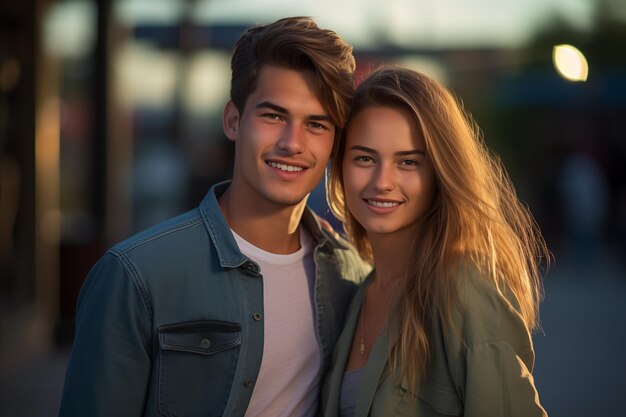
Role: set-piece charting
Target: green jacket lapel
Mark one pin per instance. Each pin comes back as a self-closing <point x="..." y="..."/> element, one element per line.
<point x="342" y="352"/>
<point x="371" y="376"/>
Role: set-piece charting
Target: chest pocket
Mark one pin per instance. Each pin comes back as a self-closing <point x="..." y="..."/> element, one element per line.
<point x="431" y="401"/>
<point x="440" y="400"/>
<point x="197" y="362"/>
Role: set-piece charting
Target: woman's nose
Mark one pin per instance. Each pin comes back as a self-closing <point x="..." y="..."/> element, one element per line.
<point x="384" y="178"/>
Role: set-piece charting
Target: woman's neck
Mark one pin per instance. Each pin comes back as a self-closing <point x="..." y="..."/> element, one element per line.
<point x="390" y="258"/>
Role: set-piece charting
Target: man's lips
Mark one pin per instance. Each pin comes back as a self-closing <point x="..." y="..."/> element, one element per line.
<point x="286" y="167"/>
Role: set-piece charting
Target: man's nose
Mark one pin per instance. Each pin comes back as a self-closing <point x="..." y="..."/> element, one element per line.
<point x="292" y="139"/>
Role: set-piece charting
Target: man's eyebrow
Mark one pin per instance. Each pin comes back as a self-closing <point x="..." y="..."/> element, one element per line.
<point x="400" y="153"/>
<point x="280" y="109"/>
<point x="270" y="105"/>
<point x="320" y="118"/>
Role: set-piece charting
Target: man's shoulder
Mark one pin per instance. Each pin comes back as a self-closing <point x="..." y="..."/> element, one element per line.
<point x="180" y="231"/>
<point x="336" y="248"/>
<point x="177" y="250"/>
<point x="173" y="232"/>
<point x="353" y="267"/>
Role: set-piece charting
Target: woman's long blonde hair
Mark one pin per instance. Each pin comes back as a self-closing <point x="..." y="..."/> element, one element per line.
<point x="475" y="215"/>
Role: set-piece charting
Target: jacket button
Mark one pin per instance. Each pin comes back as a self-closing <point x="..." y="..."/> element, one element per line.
<point x="247" y="383"/>
<point x="205" y="343"/>
<point x="256" y="316"/>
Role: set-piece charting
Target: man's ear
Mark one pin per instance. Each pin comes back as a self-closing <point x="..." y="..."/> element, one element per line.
<point x="230" y="121"/>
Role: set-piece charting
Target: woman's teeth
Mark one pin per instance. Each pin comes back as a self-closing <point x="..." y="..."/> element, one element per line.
<point x="384" y="204"/>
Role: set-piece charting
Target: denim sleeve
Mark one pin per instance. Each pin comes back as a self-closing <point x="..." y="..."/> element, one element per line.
<point x="109" y="367"/>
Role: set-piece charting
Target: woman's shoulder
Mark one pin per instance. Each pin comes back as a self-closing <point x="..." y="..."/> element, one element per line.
<point x="484" y="309"/>
<point x="474" y="288"/>
<point x="485" y="323"/>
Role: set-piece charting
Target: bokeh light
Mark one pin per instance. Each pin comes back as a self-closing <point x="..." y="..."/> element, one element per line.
<point x="570" y="63"/>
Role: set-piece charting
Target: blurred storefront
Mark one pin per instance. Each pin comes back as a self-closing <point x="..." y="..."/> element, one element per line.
<point x="110" y="121"/>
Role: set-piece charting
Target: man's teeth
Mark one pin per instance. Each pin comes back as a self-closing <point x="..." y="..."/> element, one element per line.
<point x="382" y="203"/>
<point x="284" y="167"/>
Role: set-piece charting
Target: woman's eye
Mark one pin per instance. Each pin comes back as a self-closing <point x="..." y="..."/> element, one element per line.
<point x="364" y="159"/>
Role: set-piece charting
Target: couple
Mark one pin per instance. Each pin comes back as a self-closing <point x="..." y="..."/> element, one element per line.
<point x="237" y="308"/>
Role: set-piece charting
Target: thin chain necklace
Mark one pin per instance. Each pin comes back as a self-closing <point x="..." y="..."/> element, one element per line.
<point x="362" y="320"/>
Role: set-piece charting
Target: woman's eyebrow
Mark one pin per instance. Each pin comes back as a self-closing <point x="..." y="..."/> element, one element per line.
<point x="399" y="153"/>
<point x="411" y="152"/>
<point x="362" y="148"/>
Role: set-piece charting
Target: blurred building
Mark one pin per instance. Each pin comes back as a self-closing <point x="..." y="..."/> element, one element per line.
<point x="110" y="124"/>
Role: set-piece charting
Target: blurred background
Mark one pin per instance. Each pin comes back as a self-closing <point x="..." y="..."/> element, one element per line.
<point x="110" y="121"/>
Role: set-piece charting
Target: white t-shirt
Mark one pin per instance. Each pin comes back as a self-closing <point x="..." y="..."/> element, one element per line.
<point x="288" y="382"/>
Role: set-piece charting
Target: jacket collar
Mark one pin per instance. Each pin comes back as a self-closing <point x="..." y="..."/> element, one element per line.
<point x="225" y="245"/>
<point x="311" y="222"/>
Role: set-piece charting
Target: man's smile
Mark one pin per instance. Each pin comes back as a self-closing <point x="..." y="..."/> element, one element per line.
<point x="284" y="167"/>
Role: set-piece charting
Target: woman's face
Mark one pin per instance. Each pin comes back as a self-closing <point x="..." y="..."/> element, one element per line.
<point x="389" y="181"/>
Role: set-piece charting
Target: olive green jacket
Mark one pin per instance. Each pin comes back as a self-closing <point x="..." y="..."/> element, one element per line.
<point x="480" y="365"/>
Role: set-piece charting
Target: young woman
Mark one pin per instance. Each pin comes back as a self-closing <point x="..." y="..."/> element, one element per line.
<point x="442" y="325"/>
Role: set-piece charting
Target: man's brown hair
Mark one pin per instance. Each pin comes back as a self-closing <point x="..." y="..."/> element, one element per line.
<point x="296" y="43"/>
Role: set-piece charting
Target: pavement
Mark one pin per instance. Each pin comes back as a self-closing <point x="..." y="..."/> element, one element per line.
<point x="580" y="364"/>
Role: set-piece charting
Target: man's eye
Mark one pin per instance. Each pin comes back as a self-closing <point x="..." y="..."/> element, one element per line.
<point x="316" y="125"/>
<point x="272" y="116"/>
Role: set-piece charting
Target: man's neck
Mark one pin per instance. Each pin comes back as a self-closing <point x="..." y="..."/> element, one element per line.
<point x="269" y="227"/>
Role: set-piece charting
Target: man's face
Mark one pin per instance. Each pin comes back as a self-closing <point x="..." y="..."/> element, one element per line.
<point x="283" y="138"/>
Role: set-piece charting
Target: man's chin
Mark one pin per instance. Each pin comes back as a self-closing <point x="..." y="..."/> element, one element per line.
<point x="289" y="201"/>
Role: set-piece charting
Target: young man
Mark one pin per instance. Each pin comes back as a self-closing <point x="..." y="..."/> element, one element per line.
<point x="233" y="308"/>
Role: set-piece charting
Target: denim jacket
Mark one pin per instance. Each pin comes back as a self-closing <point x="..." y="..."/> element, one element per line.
<point x="170" y="321"/>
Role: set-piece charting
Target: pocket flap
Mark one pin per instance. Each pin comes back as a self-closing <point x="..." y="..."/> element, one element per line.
<point x="205" y="337"/>
<point x="440" y="399"/>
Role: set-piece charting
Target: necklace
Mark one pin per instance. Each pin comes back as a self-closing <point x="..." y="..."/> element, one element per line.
<point x="383" y="303"/>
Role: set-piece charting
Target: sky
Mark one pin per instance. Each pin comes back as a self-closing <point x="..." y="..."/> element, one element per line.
<point x="436" y="23"/>
<point x="150" y="75"/>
